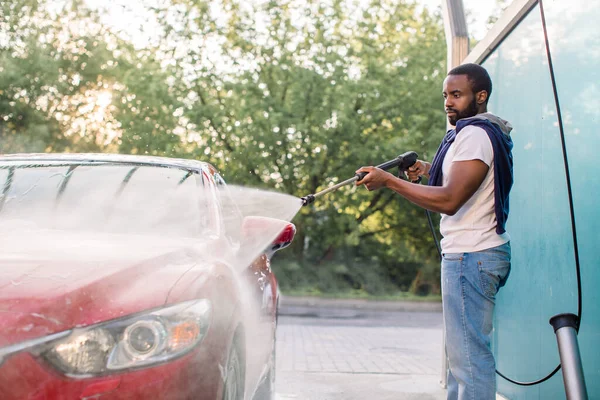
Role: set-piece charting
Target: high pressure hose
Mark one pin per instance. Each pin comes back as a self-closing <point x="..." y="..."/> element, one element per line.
<point x="433" y="234"/>
<point x="571" y="208"/>
<point x="570" y="195"/>
<point x="404" y="161"/>
<point x="532" y="383"/>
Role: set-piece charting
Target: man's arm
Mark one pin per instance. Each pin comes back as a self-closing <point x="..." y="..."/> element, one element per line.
<point x="464" y="179"/>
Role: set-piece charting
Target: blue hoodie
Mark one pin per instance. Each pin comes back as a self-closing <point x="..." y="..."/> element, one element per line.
<point x="498" y="131"/>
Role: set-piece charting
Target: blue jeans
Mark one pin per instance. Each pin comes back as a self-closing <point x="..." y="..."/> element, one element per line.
<point x="470" y="282"/>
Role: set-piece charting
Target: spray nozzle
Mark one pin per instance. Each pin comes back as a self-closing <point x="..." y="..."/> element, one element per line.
<point x="306" y="200"/>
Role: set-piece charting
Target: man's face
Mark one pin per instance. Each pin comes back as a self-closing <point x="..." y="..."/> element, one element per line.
<point x="459" y="99"/>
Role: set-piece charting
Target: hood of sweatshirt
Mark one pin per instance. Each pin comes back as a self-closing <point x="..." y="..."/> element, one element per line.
<point x="503" y="124"/>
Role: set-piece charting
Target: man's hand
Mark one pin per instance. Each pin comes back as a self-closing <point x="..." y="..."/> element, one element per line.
<point x="376" y="178"/>
<point x="420" y="168"/>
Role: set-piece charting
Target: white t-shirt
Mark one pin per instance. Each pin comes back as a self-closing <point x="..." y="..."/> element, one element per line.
<point x="473" y="227"/>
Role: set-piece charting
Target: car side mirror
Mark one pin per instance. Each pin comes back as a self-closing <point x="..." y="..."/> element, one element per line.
<point x="257" y="228"/>
<point x="285" y="237"/>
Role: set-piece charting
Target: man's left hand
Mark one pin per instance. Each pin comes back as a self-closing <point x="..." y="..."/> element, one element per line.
<point x="376" y="178"/>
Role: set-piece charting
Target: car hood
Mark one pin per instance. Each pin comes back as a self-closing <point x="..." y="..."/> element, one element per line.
<point x="52" y="281"/>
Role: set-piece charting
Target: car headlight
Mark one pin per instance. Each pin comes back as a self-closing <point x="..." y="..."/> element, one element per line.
<point x="136" y="341"/>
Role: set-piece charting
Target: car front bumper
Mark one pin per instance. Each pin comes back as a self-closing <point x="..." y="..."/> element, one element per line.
<point x="197" y="375"/>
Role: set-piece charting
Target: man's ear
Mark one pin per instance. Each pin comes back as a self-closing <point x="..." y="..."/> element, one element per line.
<point x="481" y="96"/>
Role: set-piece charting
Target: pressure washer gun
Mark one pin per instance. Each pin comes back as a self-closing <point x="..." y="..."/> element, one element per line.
<point x="403" y="162"/>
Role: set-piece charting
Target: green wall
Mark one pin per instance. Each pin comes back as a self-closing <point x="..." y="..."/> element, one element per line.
<point x="543" y="277"/>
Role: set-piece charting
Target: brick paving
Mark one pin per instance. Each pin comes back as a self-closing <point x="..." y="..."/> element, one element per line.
<point x="359" y="349"/>
<point x="357" y="355"/>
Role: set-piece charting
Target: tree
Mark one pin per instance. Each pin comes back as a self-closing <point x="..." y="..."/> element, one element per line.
<point x="289" y="95"/>
<point x="67" y="83"/>
<point x="308" y="95"/>
<point x="501" y="6"/>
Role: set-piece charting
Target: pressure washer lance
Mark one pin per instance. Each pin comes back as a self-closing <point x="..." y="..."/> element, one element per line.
<point x="403" y="162"/>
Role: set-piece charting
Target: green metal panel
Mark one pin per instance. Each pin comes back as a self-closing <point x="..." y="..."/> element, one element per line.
<point x="543" y="277"/>
<point x="574" y="37"/>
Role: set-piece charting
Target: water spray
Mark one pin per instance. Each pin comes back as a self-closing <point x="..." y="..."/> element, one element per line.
<point x="403" y="162"/>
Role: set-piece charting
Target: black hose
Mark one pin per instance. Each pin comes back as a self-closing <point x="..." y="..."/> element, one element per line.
<point x="435" y="239"/>
<point x="439" y="251"/>
<point x="570" y="195"/>
<point x="571" y="206"/>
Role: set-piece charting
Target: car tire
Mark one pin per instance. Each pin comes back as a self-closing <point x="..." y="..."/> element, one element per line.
<point x="233" y="387"/>
<point x="266" y="389"/>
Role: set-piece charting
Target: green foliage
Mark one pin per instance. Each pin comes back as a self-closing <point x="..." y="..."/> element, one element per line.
<point x="357" y="278"/>
<point x="287" y="95"/>
<point x="501" y="6"/>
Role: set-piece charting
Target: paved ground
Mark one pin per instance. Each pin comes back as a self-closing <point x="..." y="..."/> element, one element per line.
<point x="351" y="351"/>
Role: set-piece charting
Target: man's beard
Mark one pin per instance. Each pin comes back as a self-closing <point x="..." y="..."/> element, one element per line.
<point x="470" y="111"/>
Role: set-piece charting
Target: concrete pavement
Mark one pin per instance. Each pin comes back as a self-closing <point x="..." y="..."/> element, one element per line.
<point x="353" y="349"/>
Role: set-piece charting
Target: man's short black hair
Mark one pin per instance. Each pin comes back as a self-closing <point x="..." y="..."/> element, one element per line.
<point x="477" y="75"/>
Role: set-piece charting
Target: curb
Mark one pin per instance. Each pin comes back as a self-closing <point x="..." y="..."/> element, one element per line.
<point x="360" y="304"/>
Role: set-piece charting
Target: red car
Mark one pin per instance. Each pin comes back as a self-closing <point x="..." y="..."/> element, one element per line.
<point x="130" y="277"/>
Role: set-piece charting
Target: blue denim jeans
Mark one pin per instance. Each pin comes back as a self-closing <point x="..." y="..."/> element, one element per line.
<point x="470" y="282"/>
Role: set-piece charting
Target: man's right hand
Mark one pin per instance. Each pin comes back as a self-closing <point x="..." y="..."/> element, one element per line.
<point x="420" y="168"/>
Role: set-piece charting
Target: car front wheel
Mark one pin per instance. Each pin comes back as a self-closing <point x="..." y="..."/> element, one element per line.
<point x="234" y="380"/>
<point x="266" y="390"/>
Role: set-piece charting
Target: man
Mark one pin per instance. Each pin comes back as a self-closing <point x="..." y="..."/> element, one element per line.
<point x="469" y="182"/>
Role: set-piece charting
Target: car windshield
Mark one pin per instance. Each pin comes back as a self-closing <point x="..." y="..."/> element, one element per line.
<point x="105" y="197"/>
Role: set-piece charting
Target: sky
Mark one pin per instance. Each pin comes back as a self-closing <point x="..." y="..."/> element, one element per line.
<point x="477" y="11"/>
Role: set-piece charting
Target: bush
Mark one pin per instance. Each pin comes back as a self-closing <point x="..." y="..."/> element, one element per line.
<point x="356" y="277"/>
